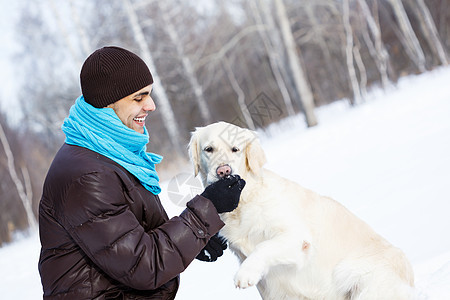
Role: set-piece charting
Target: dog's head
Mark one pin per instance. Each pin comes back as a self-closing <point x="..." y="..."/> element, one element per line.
<point x="223" y="149"/>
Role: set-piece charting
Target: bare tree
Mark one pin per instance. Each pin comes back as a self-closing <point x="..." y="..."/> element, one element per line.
<point x="270" y="38"/>
<point x="318" y="32"/>
<point x="318" y="24"/>
<point x="239" y="92"/>
<point x="349" y="53"/>
<point x="412" y="45"/>
<point x="167" y="111"/>
<point x="361" y="68"/>
<point x="379" y="52"/>
<point x="47" y="69"/>
<point x="24" y="192"/>
<point x="185" y="60"/>
<point x="300" y="79"/>
<point x="430" y="32"/>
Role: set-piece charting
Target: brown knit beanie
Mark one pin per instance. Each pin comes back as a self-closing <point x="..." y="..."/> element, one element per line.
<point x="112" y="73"/>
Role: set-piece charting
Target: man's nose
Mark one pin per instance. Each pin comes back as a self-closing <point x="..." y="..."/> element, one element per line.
<point x="149" y="104"/>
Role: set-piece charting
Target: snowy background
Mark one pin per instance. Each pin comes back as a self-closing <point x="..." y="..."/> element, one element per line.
<point x="387" y="160"/>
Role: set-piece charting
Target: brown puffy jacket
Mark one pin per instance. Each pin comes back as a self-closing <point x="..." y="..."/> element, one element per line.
<point x="104" y="236"/>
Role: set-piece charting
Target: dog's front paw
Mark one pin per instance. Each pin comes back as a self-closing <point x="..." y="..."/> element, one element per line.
<point x="248" y="275"/>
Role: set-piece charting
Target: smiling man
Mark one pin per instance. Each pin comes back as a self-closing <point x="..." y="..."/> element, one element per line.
<point x="104" y="233"/>
<point x="133" y="109"/>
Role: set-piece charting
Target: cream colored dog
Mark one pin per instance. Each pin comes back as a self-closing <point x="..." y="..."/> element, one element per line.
<point x="293" y="243"/>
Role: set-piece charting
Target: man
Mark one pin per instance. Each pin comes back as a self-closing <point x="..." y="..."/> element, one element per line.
<point x="103" y="230"/>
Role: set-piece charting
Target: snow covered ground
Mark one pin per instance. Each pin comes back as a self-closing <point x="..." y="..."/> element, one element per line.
<point x="387" y="160"/>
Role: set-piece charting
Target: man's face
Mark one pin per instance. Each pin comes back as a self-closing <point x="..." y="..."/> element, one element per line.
<point x="133" y="109"/>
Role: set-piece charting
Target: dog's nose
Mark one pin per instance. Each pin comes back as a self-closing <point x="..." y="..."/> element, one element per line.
<point x="223" y="171"/>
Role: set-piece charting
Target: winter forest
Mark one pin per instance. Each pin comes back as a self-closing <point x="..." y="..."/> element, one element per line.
<point x="247" y="62"/>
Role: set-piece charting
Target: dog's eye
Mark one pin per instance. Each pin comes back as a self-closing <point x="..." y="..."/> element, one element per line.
<point x="235" y="149"/>
<point x="208" y="149"/>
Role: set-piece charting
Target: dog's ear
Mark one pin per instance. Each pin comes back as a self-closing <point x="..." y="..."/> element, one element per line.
<point x="255" y="157"/>
<point x="193" y="149"/>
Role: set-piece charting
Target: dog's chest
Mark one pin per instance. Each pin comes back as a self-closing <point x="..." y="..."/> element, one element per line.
<point x="246" y="230"/>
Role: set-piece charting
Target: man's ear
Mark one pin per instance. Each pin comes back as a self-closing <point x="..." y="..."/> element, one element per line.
<point x="194" y="154"/>
<point x="255" y="157"/>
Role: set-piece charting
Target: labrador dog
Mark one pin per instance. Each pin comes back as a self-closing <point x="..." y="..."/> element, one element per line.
<point x="292" y="242"/>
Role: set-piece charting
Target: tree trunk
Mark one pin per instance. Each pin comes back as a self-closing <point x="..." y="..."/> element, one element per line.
<point x="316" y="26"/>
<point x="166" y="108"/>
<point x="412" y="44"/>
<point x="27" y="181"/>
<point x="380" y="54"/>
<point x="300" y="79"/>
<point x="239" y="92"/>
<point x="24" y="197"/>
<point x="362" y="70"/>
<point x="186" y="62"/>
<point x="349" y="53"/>
<point x="430" y="31"/>
<point x="274" y="59"/>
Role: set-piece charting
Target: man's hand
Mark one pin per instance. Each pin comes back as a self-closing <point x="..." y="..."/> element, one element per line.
<point x="214" y="249"/>
<point x="225" y="193"/>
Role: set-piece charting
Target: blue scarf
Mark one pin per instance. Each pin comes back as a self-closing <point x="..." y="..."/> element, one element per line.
<point x="100" y="130"/>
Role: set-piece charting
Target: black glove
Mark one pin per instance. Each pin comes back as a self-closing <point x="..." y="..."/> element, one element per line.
<point x="225" y="193"/>
<point x="214" y="249"/>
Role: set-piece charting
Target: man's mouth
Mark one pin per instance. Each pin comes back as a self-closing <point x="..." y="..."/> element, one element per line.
<point x="140" y="120"/>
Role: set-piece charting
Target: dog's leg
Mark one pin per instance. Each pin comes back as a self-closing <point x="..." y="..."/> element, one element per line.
<point x="281" y="250"/>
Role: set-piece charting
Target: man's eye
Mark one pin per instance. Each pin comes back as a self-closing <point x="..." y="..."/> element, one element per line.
<point x="208" y="149"/>
<point x="138" y="99"/>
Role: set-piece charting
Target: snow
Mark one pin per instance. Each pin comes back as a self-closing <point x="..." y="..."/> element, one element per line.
<point x="387" y="160"/>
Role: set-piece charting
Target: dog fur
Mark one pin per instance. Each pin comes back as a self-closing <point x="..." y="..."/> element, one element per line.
<point x="292" y="242"/>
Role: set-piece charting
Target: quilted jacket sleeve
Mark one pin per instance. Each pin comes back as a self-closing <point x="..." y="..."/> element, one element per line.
<point x="96" y="215"/>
